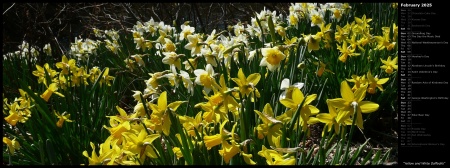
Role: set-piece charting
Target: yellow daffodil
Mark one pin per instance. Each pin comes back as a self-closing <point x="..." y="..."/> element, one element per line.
<point x="189" y="62"/>
<point x="313" y="42"/>
<point x="106" y="78"/>
<point x="346" y="51"/>
<point x="40" y="72"/>
<point x="153" y="83"/>
<point x="50" y="90"/>
<point x="374" y="82"/>
<point x="395" y="30"/>
<point x="177" y="152"/>
<point x="160" y="116"/>
<point x="275" y="158"/>
<point x="66" y="65"/>
<point x="358" y="80"/>
<point x="107" y="154"/>
<point x="62" y="117"/>
<point x="80" y="77"/>
<point x="342" y="33"/>
<point x="247" y="85"/>
<point x="13" y="145"/>
<point x="229" y="149"/>
<point x="270" y="126"/>
<point x="192" y="123"/>
<point x="321" y="68"/>
<point x="272" y="58"/>
<point x="293" y="104"/>
<point x="330" y="120"/>
<point x="220" y="103"/>
<point x="363" y="22"/>
<point x="227" y="96"/>
<point x="119" y="124"/>
<point x="214" y="140"/>
<point x="141" y="143"/>
<point x="18" y="113"/>
<point x="384" y="41"/>
<point x="389" y="65"/>
<point x="138" y="58"/>
<point x="247" y="158"/>
<point x="352" y="101"/>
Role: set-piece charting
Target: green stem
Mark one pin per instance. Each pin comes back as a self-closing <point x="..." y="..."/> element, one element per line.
<point x="351" y="132"/>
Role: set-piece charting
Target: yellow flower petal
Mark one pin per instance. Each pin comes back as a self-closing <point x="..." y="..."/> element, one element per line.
<point x="368" y="107"/>
<point x="337" y="102"/>
<point x="346" y="92"/>
<point x="162" y="101"/>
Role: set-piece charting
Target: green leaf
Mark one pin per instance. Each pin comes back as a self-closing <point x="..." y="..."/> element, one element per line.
<point x="272" y="29"/>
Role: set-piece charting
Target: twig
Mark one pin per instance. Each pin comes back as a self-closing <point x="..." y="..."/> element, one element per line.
<point x="8" y="8"/>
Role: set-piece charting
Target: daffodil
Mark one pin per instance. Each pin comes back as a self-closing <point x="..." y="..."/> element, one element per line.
<point x="120" y="123"/>
<point x="358" y="80"/>
<point x="205" y="77"/>
<point x="194" y="44"/>
<point x="18" y="112"/>
<point x="330" y="120"/>
<point x="337" y="14"/>
<point x="81" y="77"/>
<point x="41" y="73"/>
<point x="247" y="158"/>
<point x="288" y="88"/>
<point x="140" y="144"/>
<point x="384" y="41"/>
<point x="389" y="65"/>
<point x="346" y="51"/>
<point x="177" y="152"/>
<point x="272" y="58"/>
<point x="138" y="58"/>
<point x="395" y="30"/>
<point x="306" y="110"/>
<point x="187" y="82"/>
<point x="220" y="103"/>
<point x="247" y="84"/>
<point x="321" y="68"/>
<point x="50" y="90"/>
<point x="152" y="83"/>
<point x="107" y="154"/>
<point x="229" y="149"/>
<point x="374" y="82"/>
<point x="66" y="65"/>
<point x="342" y="33"/>
<point x="192" y="123"/>
<point x="106" y="78"/>
<point x="363" y="22"/>
<point x="275" y="158"/>
<point x="313" y="42"/>
<point x="13" y="145"/>
<point x="352" y="101"/>
<point x="185" y="31"/>
<point x="316" y="18"/>
<point x="191" y="64"/>
<point x="62" y="117"/>
<point x="47" y="49"/>
<point x="216" y="139"/>
<point x="169" y="46"/>
<point x="160" y="116"/>
<point x="270" y="126"/>
<point x="228" y="96"/>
